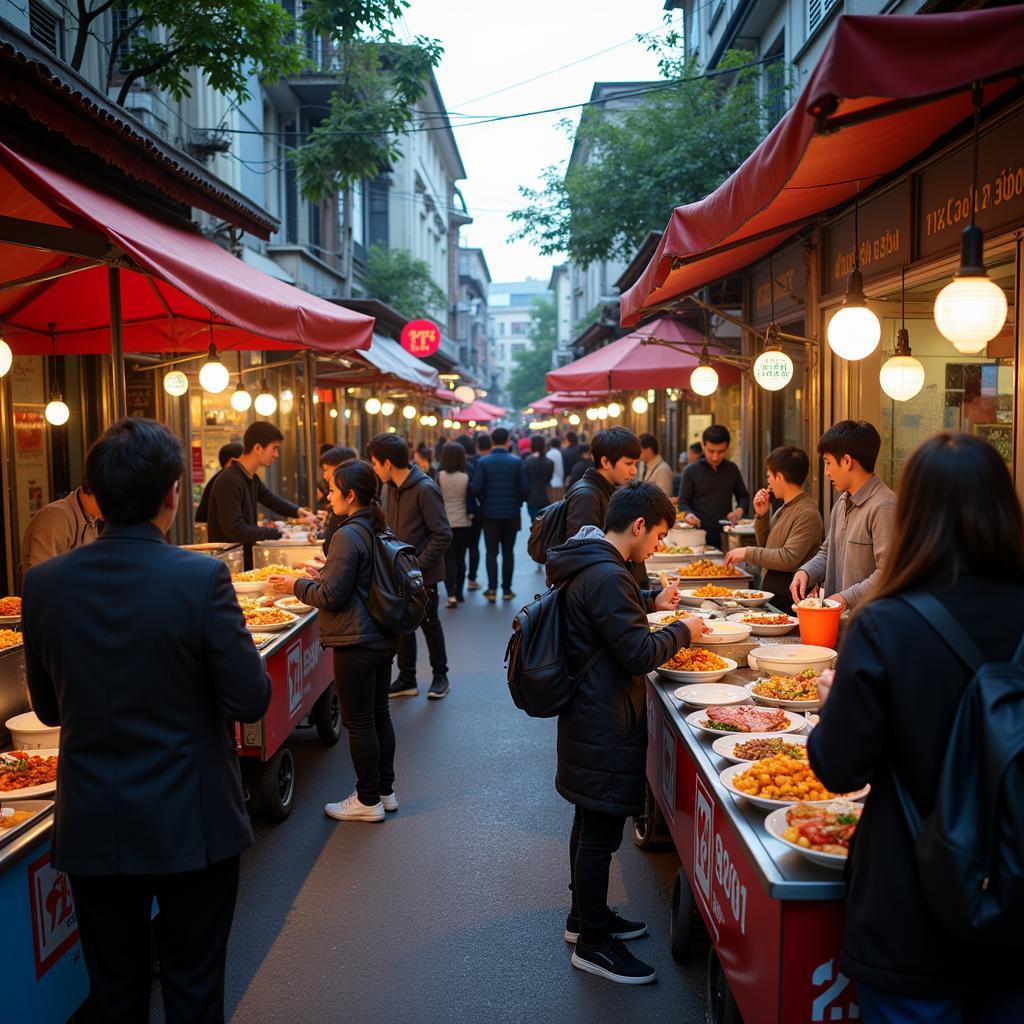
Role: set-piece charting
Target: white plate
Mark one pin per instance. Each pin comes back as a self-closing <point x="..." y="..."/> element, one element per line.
<point x="775" y="824"/>
<point x="704" y="695"/>
<point x="728" y="774"/>
<point x="689" y="597"/>
<point x="797" y="723"/>
<point x="765" y="630"/>
<point x="775" y="702"/>
<point x="248" y="586"/>
<point x="293" y="605"/>
<point x="724" y="745"/>
<point x="722" y="632"/>
<point x="667" y="558"/>
<point x="33" y="791"/>
<point x="677" y="676"/>
<point x="274" y="627"/>
<point x="9" y="620"/>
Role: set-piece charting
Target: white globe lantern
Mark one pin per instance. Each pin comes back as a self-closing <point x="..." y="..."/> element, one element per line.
<point x="970" y="312"/>
<point x="465" y="394"/>
<point x="591" y="414"/>
<point x="640" y="405"/>
<point x="704" y="380"/>
<point x="574" y="420"/>
<point x="614" y="410"/>
<point x="372" y="406"/>
<point x="773" y="369"/>
<point x="854" y="331"/>
<point x="447" y="424"/>
<point x="387" y="408"/>
<point x="175" y="383"/>
<point x="213" y="375"/>
<point x="602" y="412"/>
<point x="241" y="400"/>
<point x="901" y="376"/>
<point x="334" y="413"/>
<point x="266" y="403"/>
<point x="57" y="412"/>
<point x="409" y="412"/>
<point x="6" y="357"/>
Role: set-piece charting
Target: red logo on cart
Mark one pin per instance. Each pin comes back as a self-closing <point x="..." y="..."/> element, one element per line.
<point x="421" y="338"/>
<point x="703" y="842"/>
<point x="54" y="922"/>
<point x="294" y="677"/>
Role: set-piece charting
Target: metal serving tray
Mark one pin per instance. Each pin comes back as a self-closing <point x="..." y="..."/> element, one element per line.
<point x="39" y="809"/>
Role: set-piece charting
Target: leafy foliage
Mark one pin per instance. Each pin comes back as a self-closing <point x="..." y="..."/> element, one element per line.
<point x="526" y="381"/>
<point x="398" y="278"/>
<point x="677" y="145"/>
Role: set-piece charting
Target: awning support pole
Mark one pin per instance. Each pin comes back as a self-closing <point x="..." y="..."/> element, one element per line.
<point x="116" y="342"/>
<point x="312" y="463"/>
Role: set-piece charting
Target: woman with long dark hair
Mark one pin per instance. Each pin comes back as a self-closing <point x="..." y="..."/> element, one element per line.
<point x="889" y="714"/>
<point x="453" y="479"/>
<point x="362" y="651"/>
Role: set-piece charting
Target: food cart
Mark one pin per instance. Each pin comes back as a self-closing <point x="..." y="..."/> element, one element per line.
<point x="774" y="919"/>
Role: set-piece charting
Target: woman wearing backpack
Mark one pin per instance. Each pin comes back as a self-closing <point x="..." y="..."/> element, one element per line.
<point x="362" y="651"/>
<point x="453" y="479"/>
<point x="889" y="714"/>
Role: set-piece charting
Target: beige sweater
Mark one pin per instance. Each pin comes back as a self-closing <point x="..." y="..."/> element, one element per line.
<point x="789" y="537"/>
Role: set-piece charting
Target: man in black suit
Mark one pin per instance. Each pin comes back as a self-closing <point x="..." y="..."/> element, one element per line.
<point x="139" y="652"/>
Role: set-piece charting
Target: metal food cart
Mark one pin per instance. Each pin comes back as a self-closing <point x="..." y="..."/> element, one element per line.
<point x="774" y="919"/>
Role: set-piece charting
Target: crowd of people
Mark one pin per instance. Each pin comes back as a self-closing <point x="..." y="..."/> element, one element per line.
<point x="610" y="500"/>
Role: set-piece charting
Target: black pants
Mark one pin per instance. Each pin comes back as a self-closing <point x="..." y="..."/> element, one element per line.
<point x="474" y="547"/>
<point x="455" y="561"/>
<point x="196" y="911"/>
<point x="434" y="634"/>
<point x="500" y="533"/>
<point x="362" y="676"/>
<point x="595" y="837"/>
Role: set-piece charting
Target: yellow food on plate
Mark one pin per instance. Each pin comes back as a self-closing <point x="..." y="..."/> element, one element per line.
<point x="766" y="620"/>
<point x="9" y="638"/>
<point x="704" y="568"/>
<point x="10" y="605"/>
<point x="781" y="778"/>
<point x="801" y="687"/>
<point x="695" y="659"/>
<point x="260" y="575"/>
<point x="259" y="639"/>
<point x="711" y="590"/>
<point x="267" y="617"/>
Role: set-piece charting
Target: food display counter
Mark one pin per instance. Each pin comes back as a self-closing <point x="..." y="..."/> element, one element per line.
<point x="233" y="555"/>
<point x="774" y="919"/>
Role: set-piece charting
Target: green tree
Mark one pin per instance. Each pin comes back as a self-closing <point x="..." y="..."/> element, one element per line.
<point x="675" y="147"/>
<point x="399" y="279"/>
<point x="526" y="382"/>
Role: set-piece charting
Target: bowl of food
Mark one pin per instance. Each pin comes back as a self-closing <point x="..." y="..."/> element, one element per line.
<point x="658" y="620"/>
<point x="728" y="720"/>
<point x="821" y="833"/>
<point x="686" y="536"/>
<point x="706" y="569"/>
<point x="728" y="596"/>
<point x="25" y="774"/>
<point x="745" y="748"/>
<point x="10" y="610"/>
<point x="293" y="604"/>
<point x="28" y="733"/>
<point x="696" y="665"/>
<point x="796" y="693"/>
<point x="703" y="695"/>
<point x="765" y="623"/>
<point x="791" y="659"/>
<point x="779" y="781"/>
<point x="268" y="620"/>
<point x="719" y="631"/>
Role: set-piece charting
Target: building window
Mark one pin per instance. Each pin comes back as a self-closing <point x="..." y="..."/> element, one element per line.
<point x="46" y="28"/>
<point x="520" y="328"/>
<point x="693" y="30"/>
<point x="816" y="11"/>
<point x="501" y="328"/>
<point x="776" y="81"/>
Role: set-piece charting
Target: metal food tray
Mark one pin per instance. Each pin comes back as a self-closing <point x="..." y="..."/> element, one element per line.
<point x="740" y="582"/>
<point x="40" y="809"/>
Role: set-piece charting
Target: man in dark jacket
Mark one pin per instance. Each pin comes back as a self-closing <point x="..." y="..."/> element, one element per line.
<point x="602" y="736"/>
<point x="482" y="446"/>
<point x="239" y="490"/>
<point x="227" y="454"/>
<point x="709" y="485"/>
<point x="570" y="453"/>
<point x="616" y="452"/>
<point x="143" y="672"/>
<point x="414" y="509"/>
<point x="500" y="483"/>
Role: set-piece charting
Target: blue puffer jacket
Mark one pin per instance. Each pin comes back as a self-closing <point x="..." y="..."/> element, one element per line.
<point x="501" y="485"/>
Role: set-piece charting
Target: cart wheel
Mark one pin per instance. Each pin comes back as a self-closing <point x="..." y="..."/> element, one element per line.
<point x="649" y="824"/>
<point x="722" y="1008"/>
<point x="327" y="716"/>
<point x="681" y="922"/>
<point x="277" y="785"/>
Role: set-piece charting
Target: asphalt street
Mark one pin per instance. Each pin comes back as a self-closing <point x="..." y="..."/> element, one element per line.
<point x="453" y="909"/>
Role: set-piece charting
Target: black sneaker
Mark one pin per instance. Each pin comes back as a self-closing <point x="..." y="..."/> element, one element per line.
<point x="621" y="928"/>
<point x="613" y="961"/>
<point x="491" y="595"/>
<point x="438" y="688"/>
<point x="403" y="688"/>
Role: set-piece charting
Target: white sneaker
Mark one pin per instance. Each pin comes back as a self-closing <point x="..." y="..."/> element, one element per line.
<point x="352" y="809"/>
<point x="390" y="801"/>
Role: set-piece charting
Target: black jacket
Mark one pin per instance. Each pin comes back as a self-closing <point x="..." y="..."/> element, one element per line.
<point x="342" y="591"/>
<point x="587" y="503"/>
<point x="602" y="736"/>
<point x="579" y="468"/>
<point x="232" y="506"/>
<point x="570" y="456"/>
<point x="204" y="498"/>
<point x="499" y="481"/>
<point x="895" y="696"/>
<point x="539" y="471"/>
<point x="415" y="512"/>
<point x="142" y="671"/>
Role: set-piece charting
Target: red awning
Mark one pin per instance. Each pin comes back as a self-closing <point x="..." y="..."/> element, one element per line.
<point x="388" y="363"/>
<point x="178" y="283"/>
<point x="477" y="411"/>
<point x="497" y="410"/>
<point x="632" y="364"/>
<point x="562" y="400"/>
<point x="904" y="79"/>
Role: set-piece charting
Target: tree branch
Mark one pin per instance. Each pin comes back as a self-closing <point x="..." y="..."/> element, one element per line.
<point x="147" y="69"/>
<point x="115" y="45"/>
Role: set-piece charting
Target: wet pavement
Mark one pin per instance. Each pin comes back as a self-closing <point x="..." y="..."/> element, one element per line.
<point x="453" y="909"/>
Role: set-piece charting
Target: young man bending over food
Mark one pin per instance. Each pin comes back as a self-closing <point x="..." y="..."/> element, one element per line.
<point x="602" y="735"/>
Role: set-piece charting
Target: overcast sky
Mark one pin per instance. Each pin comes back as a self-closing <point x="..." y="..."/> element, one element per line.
<point x="490" y="46"/>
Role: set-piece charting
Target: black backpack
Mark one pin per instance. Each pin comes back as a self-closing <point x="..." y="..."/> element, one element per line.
<point x="548" y="530"/>
<point x="970" y="849"/>
<point x="538" y="676"/>
<point x="397" y="601"/>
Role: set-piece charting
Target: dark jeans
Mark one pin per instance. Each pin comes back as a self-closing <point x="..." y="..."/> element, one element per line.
<point x="434" y="634"/>
<point x="191" y="932"/>
<point x="983" y="1008"/>
<point x="455" y="561"/>
<point x="362" y="676"/>
<point x="474" y="547"/>
<point x="500" y="533"/>
<point x="595" y="837"/>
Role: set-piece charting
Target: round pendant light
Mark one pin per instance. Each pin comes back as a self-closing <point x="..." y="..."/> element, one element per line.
<point x="57" y="412"/>
<point x="902" y="376"/>
<point x="854" y="331"/>
<point x="213" y="375"/>
<point x="614" y="410"/>
<point x="409" y="412"/>
<point x="334" y="414"/>
<point x="387" y="408"/>
<point x="265" y="403"/>
<point x="6" y="356"/>
<point x="447" y="424"/>
<point x="640" y="405"/>
<point x="465" y="394"/>
<point x="971" y="310"/>
<point x="704" y="380"/>
<point x="773" y="369"/>
<point x="372" y="406"/>
<point x="241" y="400"/>
<point x="574" y="420"/>
<point x="456" y="424"/>
<point x="175" y="383"/>
<point x="602" y="412"/>
<point x="591" y="414"/>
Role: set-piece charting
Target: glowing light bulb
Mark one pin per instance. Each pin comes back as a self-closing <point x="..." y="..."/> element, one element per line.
<point x="57" y="412"/>
<point x="175" y="383"/>
<point x="387" y="408"/>
<point x="574" y="420"/>
<point x="241" y="400"/>
<point x="465" y="394"/>
<point x="704" y="380"/>
<point x="773" y="370"/>
<point x="266" y="403"/>
<point x="372" y="406"/>
<point x="409" y="412"/>
<point x="334" y="414"/>
<point x="854" y="332"/>
<point x="614" y="410"/>
<point x="640" y="405"/>
<point x="901" y="377"/>
<point x="970" y="312"/>
<point x="214" y="376"/>
<point x="591" y="414"/>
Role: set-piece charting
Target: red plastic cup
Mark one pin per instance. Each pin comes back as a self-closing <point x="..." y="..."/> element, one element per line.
<point x="819" y="627"/>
